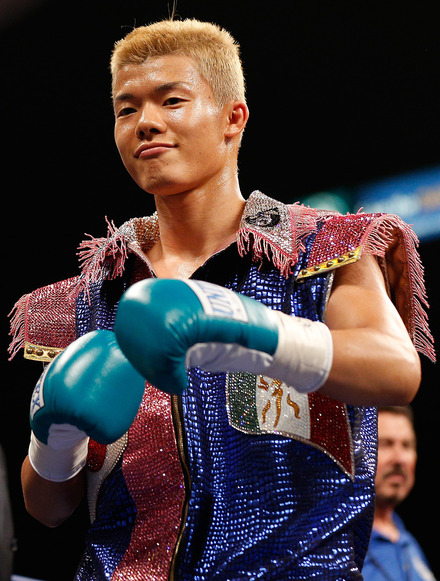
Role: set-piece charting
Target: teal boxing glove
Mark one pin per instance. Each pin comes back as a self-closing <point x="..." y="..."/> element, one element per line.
<point x="166" y="325"/>
<point x="90" y="389"/>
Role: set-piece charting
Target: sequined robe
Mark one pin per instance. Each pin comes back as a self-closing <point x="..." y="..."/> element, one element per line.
<point x="241" y="477"/>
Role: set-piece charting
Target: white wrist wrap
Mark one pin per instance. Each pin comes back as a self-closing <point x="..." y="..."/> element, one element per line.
<point x="304" y="355"/>
<point x="303" y="358"/>
<point x="63" y="457"/>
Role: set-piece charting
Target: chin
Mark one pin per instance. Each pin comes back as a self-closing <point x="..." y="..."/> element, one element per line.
<point x="162" y="189"/>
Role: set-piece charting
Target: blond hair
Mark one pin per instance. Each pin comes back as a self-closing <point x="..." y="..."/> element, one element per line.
<point x="214" y="50"/>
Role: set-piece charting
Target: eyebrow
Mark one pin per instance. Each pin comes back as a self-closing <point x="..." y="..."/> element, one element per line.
<point x="160" y="89"/>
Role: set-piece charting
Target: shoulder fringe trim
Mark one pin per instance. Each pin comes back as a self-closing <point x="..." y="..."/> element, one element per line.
<point x="102" y="258"/>
<point x="18" y="326"/>
<point x="99" y="259"/>
<point x="281" y="242"/>
<point x="22" y="324"/>
<point x="379" y="237"/>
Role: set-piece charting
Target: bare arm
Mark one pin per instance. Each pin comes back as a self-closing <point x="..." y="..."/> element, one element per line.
<point x="375" y="362"/>
<point x="51" y="503"/>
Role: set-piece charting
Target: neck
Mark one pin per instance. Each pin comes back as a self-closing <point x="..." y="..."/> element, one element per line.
<point x="193" y="226"/>
<point x="384" y="523"/>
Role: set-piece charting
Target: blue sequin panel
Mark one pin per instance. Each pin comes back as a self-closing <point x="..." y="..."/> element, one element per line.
<point x="109" y="535"/>
<point x="266" y="506"/>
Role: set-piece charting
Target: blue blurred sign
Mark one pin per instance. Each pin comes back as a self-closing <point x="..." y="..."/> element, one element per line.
<point x="415" y="197"/>
<point x="339" y="200"/>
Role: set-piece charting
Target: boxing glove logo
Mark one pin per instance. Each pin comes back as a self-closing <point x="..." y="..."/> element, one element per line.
<point x="37" y="400"/>
<point x="218" y="301"/>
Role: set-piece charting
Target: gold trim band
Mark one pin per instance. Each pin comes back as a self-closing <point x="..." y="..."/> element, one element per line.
<point x="40" y="352"/>
<point x="341" y="260"/>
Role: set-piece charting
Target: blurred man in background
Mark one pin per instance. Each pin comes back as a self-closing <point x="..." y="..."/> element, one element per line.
<point x="394" y="554"/>
<point x="6" y="526"/>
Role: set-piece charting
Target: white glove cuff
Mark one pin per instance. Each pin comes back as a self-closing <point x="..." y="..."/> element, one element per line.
<point x="304" y="355"/>
<point x="63" y="457"/>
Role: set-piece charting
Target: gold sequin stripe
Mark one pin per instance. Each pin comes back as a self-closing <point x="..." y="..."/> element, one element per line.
<point x="340" y="260"/>
<point x="177" y="415"/>
<point x="40" y="352"/>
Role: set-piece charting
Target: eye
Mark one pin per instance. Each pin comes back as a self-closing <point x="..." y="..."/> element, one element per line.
<point x="126" y="111"/>
<point x="173" y="101"/>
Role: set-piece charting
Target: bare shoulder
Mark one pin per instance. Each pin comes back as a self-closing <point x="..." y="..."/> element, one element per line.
<point x="365" y="273"/>
<point x="359" y="299"/>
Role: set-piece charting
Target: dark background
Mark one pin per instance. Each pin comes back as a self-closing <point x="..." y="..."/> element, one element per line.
<point x="340" y="93"/>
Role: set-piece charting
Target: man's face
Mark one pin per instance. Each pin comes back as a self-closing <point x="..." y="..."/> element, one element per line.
<point x="396" y="460"/>
<point x="169" y="129"/>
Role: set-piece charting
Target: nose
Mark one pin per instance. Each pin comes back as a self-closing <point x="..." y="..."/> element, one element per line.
<point x="402" y="455"/>
<point x="149" y="123"/>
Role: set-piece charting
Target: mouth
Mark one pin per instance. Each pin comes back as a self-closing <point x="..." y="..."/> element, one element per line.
<point x="153" y="149"/>
<point x="396" y="476"/>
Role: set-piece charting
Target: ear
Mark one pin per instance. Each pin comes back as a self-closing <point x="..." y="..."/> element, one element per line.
<point x="238" y="114"/>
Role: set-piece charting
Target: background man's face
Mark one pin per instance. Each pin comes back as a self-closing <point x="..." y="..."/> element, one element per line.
<point x="396" y="460"/>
